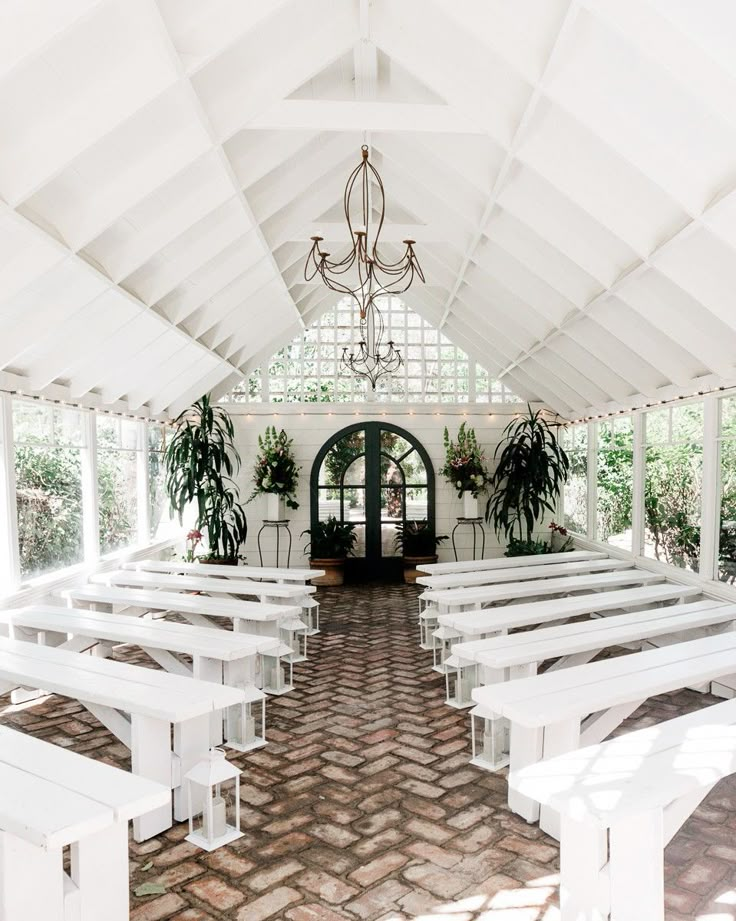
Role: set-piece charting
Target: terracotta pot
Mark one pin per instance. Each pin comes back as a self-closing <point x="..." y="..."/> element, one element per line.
<point x="334" y="571"/>
<point x="411" y="573"/>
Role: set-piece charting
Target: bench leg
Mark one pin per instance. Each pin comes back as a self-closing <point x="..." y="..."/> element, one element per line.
<point x="150" y="750"/>
<point x="526" y="748"/>
<point x="583" y="888"/>
<point x="206" y="669"/>
<point x="558" y="739"/>
<point x="191" y="744"/>
<point x="31" y="881"/>
<point x="240" y="723"/>
<point x="636" y="869"/>
<point x="99" y="868"/>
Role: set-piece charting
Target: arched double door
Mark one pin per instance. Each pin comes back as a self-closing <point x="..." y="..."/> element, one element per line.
<point x="377" y="476"/>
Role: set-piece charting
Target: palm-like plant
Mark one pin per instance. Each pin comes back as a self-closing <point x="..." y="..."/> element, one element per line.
<point x="532" y="468"/>
<point x="201" y="459"/>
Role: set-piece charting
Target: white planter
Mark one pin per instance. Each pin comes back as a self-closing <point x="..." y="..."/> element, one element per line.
<point x="275" y="507"/>
<point x="470" y="506"/>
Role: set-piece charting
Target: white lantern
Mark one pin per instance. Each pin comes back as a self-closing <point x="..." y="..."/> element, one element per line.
<point x="207" y="799"/>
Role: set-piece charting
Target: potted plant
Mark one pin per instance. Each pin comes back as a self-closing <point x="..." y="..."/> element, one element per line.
<point x="417" y="542"/>
<point x="330" y="544"/>
<point x="531" y="471"/>
<point x="465" y="468"/>
<point x="276" y="473"/>
<point x="201" y="459"/>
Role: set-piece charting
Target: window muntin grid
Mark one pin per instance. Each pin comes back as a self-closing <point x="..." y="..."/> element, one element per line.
<point x="308" y="369"/>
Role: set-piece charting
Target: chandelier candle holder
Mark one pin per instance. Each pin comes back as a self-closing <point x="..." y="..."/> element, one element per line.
<point x="364" y="274"/>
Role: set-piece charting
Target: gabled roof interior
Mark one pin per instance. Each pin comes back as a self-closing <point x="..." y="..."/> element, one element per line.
<point x="568" y="170"/>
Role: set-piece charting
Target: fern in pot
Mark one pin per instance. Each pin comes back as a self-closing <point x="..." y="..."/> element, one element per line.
<point x="531" y="470"/>
<point x="330" y="544"/>
<point x="418" y="544"/>
<point x="201" y="461"/>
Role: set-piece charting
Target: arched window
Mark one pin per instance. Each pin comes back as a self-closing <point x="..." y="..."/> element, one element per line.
<point x="377" y="476"/>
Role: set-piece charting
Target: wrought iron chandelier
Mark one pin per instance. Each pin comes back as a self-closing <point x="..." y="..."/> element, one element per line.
<point x="376" y="277"/>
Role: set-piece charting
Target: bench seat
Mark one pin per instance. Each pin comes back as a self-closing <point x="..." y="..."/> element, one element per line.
<point x="269" y="573"/>
<point x="508" y="562"/>
<point x="562" y="711"/>
<point x="621" y="802"/>
<point x="138" y="705"/>
<point x="499" y="576"/>
<point x="50" y="799"/>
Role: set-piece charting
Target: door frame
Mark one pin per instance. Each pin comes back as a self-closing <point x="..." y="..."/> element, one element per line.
<point x="372" y="429"/>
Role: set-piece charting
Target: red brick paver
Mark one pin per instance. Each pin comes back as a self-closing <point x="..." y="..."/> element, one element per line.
<point x="364" y="806"/>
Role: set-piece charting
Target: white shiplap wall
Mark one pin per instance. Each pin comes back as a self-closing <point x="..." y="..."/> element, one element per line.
<point x="311" y="426"/>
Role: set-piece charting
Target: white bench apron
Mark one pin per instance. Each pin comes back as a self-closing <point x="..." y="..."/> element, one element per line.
<point x="246" y="616"/>
<point x="554" y="713"/>
<point x="217" y="655"/>
<point x="51" y="799"/>
<point x="206" y="583"/>
<point x="621" y="802"/>
<point x="138" y="705"/>
<point x="519" y="655"/>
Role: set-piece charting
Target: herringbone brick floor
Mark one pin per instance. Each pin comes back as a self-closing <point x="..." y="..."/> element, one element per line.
<point x="363" y="805"/>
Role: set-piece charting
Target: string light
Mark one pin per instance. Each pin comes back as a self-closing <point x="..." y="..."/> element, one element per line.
<point x="644" y="406"/>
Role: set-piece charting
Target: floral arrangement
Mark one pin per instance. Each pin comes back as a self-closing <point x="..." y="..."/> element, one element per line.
<point x="465" y="463"/>
<point x="276" y="471"/>
<point x="194" y="539"/>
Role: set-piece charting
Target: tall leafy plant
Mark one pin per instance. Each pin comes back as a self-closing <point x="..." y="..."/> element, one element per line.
<point x="201" y="459"/>
<point x="531" y="470"/>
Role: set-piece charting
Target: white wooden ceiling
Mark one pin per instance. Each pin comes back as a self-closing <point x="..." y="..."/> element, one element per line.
<point x="567" y="168"/>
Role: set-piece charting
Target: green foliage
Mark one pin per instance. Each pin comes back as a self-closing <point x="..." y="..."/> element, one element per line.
<point x="342" y="454"/>
<point x="201" y="459"/>
<point x="331" y="539"/>
<point x="276" y="472"/>
<point x="417" y="538"/>
<point x="465" y="463"/>
<point x="615" y="483"/>
<point x="532" y="468"/>
<point x="49" y="500"/>
<point x="530" y="547"/>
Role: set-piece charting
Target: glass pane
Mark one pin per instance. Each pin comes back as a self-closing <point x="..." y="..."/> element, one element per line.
<point x="727" y="534"/>
<point x="354" y="505"/>
<point x="392" y="503"/>
<point x="687" y="422"/>
<point x="32" y="423"/>
<point x="575" y="494"/>
<point x="728" y="417"/>
<point x="340" y="456"/>
<point x="355" y="473"/>
<point x="657" y="426"/>
<point x="359" y="548"/>
<point x="615" y="484"/>
<point x="162" y="522"/>
<point x="49" y="498"/>
<point x="414" y="469"/>
<point x="388" y="540"/>
<point x="117" y="475"/>
<point x="107" y="432"/>
<point x="128" y="434"/>
<point x="328" y="504"/>
<point x="68" y="428"/>
<point x="417" y="503"/>
<point x="391" y="473"/>
<point x="672" y="496"/>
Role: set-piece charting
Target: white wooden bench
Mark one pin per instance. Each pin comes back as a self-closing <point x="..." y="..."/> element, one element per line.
<point x="499" y="576"/>
<point x="511" y="562"/>
<point x="217" y="655"/>
<point x="621" y="802"/>
<point x="519" y="655"/>
<point x="246" y="616"/>
<point x="138" y="705"/>
<point x="452" y="627"/>
<point x="554" y="713"/>
<point x="265" y="592"/>
<point x="268" y="573"/>
<point x="434" y="603"/>
<point x="52" y="799"/>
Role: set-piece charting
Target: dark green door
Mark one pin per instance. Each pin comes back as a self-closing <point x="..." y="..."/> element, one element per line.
<point x="376" y="476"/>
